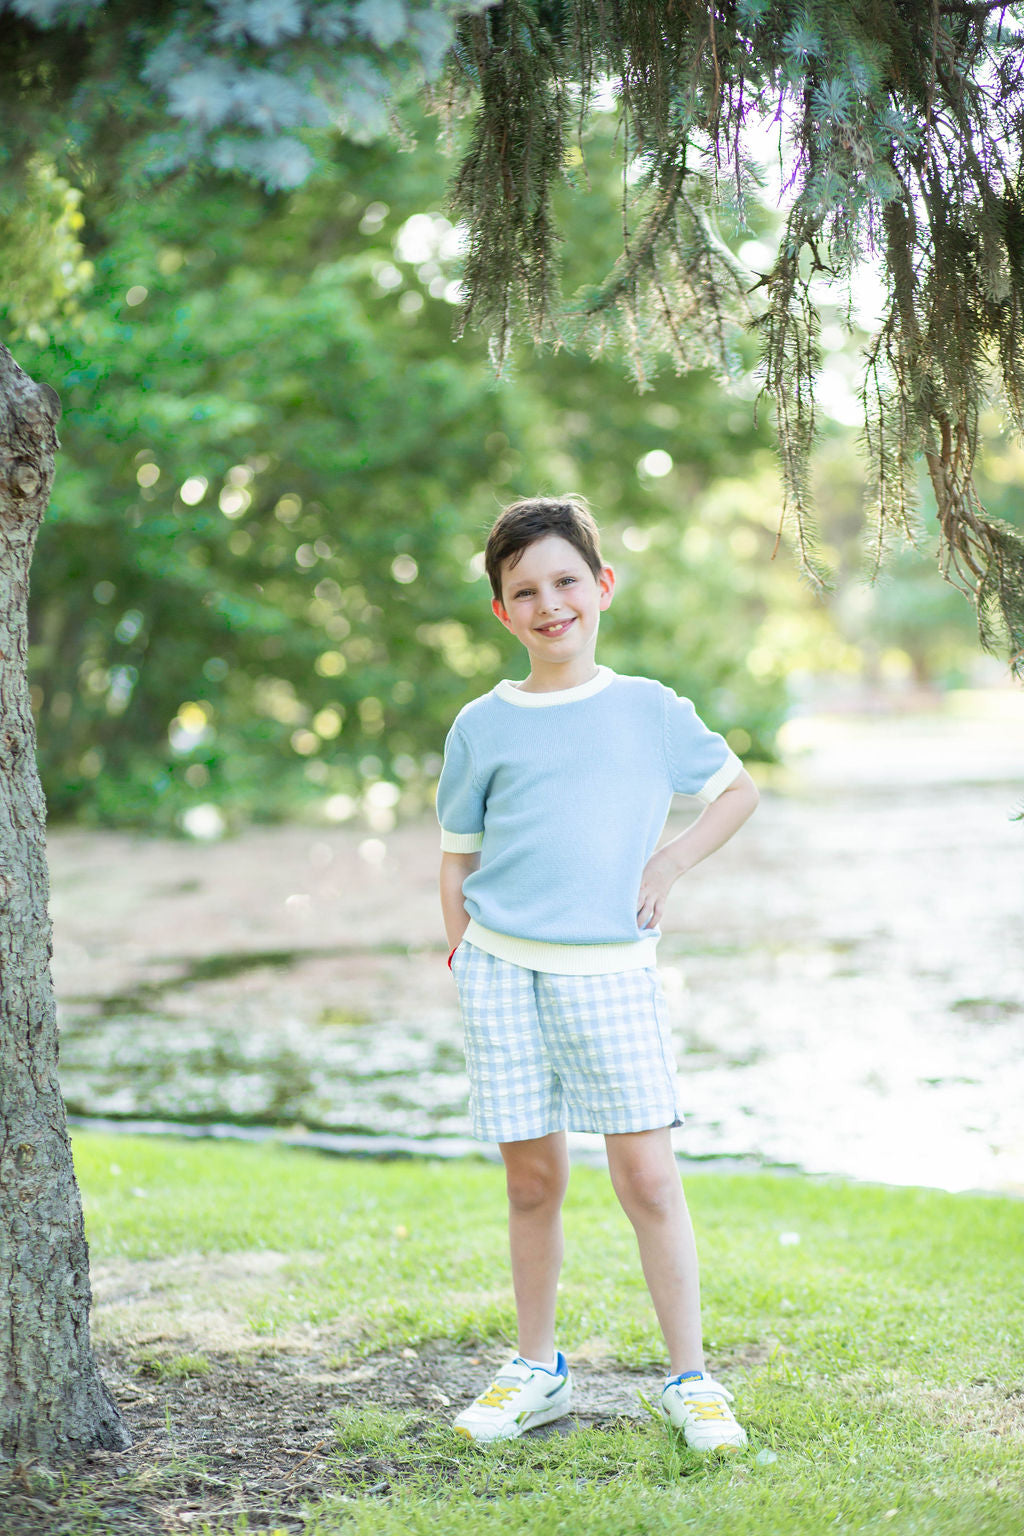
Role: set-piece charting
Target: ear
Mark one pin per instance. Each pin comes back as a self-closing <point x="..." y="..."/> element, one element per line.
<point x="606" y="582"/>
<point x="499" y="613"/>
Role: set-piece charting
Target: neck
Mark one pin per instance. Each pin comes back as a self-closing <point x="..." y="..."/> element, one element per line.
<point x="556" y="679"/>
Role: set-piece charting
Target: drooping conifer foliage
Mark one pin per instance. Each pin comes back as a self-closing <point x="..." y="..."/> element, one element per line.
<point x="893" y="126"/>
<point x="897" y="127"/>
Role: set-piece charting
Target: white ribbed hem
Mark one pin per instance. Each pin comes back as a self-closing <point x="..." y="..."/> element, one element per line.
<point x="721" y="779"/>
<point x="564" y="959"/>
<point x="461" y="842"/>
<point x="512" y="693"/>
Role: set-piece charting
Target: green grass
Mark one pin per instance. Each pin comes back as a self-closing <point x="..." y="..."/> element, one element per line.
<point x="879" y="1359"/>
<point x="642" y="1480"/>
<point x="177" y="1368"/>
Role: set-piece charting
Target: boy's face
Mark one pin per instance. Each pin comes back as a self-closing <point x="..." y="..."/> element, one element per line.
<point x="552" y="601"/>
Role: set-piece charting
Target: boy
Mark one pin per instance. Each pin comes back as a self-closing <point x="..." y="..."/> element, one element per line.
<point x="553" y="795"/>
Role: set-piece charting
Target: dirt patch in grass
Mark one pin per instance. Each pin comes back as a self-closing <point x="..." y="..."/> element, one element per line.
<point x="222" y="1437"/>
<point x="178" y="1298"/>
<point x="978" y="1407"/>
<point x="252" y="1434"/>
<point x="227" y="1424"/>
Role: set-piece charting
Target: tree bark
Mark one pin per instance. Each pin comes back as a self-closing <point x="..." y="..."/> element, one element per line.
<point x="52" y="1401"/>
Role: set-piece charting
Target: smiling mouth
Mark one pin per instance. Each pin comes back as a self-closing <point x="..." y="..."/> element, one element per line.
<point x="554" y="630"/>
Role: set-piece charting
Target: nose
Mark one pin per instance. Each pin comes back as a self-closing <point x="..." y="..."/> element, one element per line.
<point x="550" y="601"/>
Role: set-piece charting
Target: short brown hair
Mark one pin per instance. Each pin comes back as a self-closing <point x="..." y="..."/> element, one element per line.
<point x="524" y="522"/>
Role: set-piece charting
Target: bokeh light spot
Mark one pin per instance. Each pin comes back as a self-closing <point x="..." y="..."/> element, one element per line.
<point x="382" y="793"/>
<point x="204" y="822"/>
<point x="373" y="218"/>
<point x="327" y="723"/>
<point x="305" y="743"/>
<point x="636" y="538"/>
<point x="193" y="490"/>
<point x="234" y="500"/>
<point x="330" y="664"/>
<point x="655" y="464"/>
<point x="288" y="508"/>
<point x="340" y="807"/>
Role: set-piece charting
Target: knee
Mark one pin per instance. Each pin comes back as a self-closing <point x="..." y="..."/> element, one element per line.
<point x="533" y="1186"/>
<point x="648" y="1192"/>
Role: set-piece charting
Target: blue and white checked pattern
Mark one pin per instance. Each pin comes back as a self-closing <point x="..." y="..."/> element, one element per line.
<point x="548" y="1052"/>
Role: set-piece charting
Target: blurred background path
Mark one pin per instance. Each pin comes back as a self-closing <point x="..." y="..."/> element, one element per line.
<point x="847" y="978"/>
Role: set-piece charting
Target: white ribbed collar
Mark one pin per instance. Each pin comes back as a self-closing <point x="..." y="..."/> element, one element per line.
<point x="513" y="694"/>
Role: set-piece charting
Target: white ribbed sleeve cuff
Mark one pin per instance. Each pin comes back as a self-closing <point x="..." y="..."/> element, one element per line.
<point x="461" y="842"/>
<point x="721" y="779"/>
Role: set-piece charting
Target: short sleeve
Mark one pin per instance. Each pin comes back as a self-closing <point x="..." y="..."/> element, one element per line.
<point x="460" y="801"/>
<point x="700" y="762"/>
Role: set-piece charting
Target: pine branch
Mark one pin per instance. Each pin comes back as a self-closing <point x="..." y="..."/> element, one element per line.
<point x="902" y="130"/>
<point x="973" y="10"/>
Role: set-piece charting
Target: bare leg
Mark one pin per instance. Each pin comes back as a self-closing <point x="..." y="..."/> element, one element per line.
<point x="646" y="1179"/>
<point x="537" y="1173"/>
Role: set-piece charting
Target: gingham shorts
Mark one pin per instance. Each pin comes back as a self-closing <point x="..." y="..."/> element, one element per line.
<point x="548" y="1052"/>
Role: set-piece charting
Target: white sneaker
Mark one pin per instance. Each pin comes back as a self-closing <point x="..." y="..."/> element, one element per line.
<point x="698" y="1405"/>
<point x="520" y="1397"/>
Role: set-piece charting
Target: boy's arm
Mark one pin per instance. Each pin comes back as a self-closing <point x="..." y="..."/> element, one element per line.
<point x="454" y="869"/>
<point x="714" y="826"/>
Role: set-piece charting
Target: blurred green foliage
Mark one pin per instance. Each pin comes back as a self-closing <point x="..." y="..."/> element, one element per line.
<point x="40" y="249"/>
<point x="258" y="588"/>
<point x="256" y="585"/>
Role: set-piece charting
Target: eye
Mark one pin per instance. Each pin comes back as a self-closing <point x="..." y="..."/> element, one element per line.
<point x="566" y="580"/>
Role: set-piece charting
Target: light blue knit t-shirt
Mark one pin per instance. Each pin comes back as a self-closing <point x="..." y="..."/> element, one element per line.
<point x="565" y="795"/>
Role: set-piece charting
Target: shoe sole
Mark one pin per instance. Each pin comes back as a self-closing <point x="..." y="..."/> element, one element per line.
<point x="542" y="1416"/>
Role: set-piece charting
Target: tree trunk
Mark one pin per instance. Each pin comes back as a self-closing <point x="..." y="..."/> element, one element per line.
<point x="52" y="1401"/>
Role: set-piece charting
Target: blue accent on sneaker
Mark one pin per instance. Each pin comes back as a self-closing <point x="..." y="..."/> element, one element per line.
<point x="561" y="1365"/>
<point x="673" y="1381"/>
